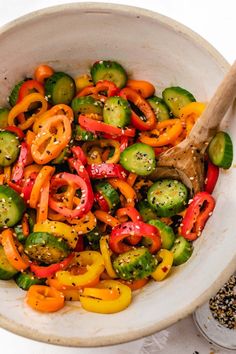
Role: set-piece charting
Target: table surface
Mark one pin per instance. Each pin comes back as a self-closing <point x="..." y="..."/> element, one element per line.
<point x="215" y="21"/>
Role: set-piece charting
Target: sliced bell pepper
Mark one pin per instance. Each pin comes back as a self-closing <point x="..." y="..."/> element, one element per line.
<point x="49" y="271"/>
<point x="43" y="72"/>
<point x="104" y="143"/>
<point x="106" y="170"/>
<point x="134" y="215"/>
<point x="44" y="298"/>
<point x="16" y="131"/>
<point x="106" y="255"/>
<point x="126" y="190"/>
<point x="134" y="284"/>
<point x="98" y="198"/>
<point x="144" y="88"/>
<point x="101" y="86"/>
<point x="106" y="218"/>
<point x="211" y="177"/>
<point x="18" y="170"/>
<point x="197" y="214"/>
<point x="164" y="266"/>
<point x="85" y="224"/>
<point x="42" y="207"/>
<point x="28" y="87"/>
<point x="43" y="176"/>
<point x="190" y="113"/>
<point x="28" y="185"/>
<point x="79" y="154"/>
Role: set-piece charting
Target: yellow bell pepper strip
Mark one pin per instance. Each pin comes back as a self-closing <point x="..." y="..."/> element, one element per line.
<point x="165" y="132"/>
<point x="71" y="294"/>
<point x="102" y="294"/>
<point x="190" y="113"/>
<point x="44" y="298"/>
<point x="18" y="260"/>
<point x="126" y="190"/>
<point x="48" y="144"/>
<point x="85" y="224"/>
<point x="106" y="255"/>
<point x="103" y="143"/>
<point x="144" y="88"/>
<point x="106" y="218"/>
<point x="99" y="304"/>
<point x="43" y="176"/>
<point x="83" y="81"/>
<point x="95" y="266"/>
<point x="59" y="109"/>
<point x="58" y="229"/>
<point x="23" y="107"/>
<point x="164" y="267"/>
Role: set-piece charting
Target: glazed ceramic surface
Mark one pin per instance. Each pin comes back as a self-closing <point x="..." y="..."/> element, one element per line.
<point x="151" y="47"/>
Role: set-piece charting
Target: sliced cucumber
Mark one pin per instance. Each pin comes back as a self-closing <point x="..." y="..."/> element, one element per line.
<point x="117" y="112"/>
<point x="135" y="264"/>
<point x="81" y="134"/>
<point x="146" y="211"/>
<point x="220" y="150"/>
<point x="9" y="148"/>
<point x="138" y="158"/>
<point x="176" y="98"/>
<point x="92" y="239"/>
<point x="12" y="207"/>
<point x="166" y="233"/>
<point x="86" y="105"/>
<point x="4" y="112"/>
<point x="25" y="279"/>
<point x="159" y="107"/>
<point x="109" y="194"/>
<point x="168" y="197"/>
<point x="6" y="270"/>
<point x="182" y="250"/>
<point x="109" y="70"/>
<point x="62" y="157"/>
<point x="13" y="97"/>
<point x="46" y="248"/>
<point x="60" y="88"/>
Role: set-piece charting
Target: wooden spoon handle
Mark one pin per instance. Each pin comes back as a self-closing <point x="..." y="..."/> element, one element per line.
<point x="215" y="111"/>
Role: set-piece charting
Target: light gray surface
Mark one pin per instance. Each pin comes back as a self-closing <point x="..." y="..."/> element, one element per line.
<point x="216" y="22"/>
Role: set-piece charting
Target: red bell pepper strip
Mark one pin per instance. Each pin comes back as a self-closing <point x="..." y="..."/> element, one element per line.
<point x="79" y="154"/>
<point x="80" y="169"/>
<point x="15" y="186"/>
<point x="106" y="170"/>
<point x="98" y="197"/>
<point x="86" y="200"/>
<point x="16" y="131"/>
<point x="94" y="126"/>
<point x="130" y="228"/>
<point x="28" y="186"/>
<point x="134" y="215"/>
<point x="18" y="169"/>
<point x="149" y="120"/>
<point x="80" y="244"/>
<point x="101" y="86"/>
<point x="211" y="177"/>
<point x="196" y="216"/>
<point x="28" y="87"/>
<point x="49" y="271"/>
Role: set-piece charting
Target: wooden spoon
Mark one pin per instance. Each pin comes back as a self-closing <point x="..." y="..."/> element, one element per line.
<point x="185" y="161"/>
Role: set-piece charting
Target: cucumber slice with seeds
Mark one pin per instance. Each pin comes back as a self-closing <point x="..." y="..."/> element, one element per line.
<point x="166" y="233"/>
<point x="12" y="207"/>
<point x="159" y="107"/>
<point x="176" y="98"/>
<point x="138" y="158"/>
<point x="86" y="105"/>
<point x="9" y="148"/>
<point x="146" y="211"/>
<point x="60" y="88"/>
<point x="109" y="194"/>
<point x="220" y="150"/>
<point x="109" y="70"/>
<point x="6" y="270"/>
<point x="135" y="264"/>
<point x="117" y="112"/>
<point x="25" y="279"/>
<point x="168" y="197"/>
<point x="182" y="250"/>
<point x="13" y="97"/>
<point x="4" y="112"/>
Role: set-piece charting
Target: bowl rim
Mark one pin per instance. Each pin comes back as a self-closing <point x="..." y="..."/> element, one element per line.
<point x="135" y="334"/>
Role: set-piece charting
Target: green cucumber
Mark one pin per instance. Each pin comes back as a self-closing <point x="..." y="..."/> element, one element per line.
<point x="9" y="148"/>
<point x="62" y="157"/>
<point x="60" y="88"/>
<point x="86" y="105"/>
<point x="13" y="97"/>
<point x="92" y="239"/>
<point x="168" y="197"/>
<point x="46" y="248"/>
<point x="159" y="107"/>
<point x="4" y="112"/>
<point x="176" y="98"/>
<point x="117" y="112"/>
<point x="166" y="233"/>
<point x="109" y="70"/>
<point x="146" y="211"/>
<point x="6" y="270"/>
<point x="135" y="264"/>
<point x="25" y="279"/>
<point x="182" y="250"/>
<point x="12" y="207"/>
<point x="109" y="194"/>
<point x="138" y="158"/>
<point x="81" y="134"/>
<point x="220" y="150"/>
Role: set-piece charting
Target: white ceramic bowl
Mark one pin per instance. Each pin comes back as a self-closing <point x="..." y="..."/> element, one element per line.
<point x="150" y="47"/>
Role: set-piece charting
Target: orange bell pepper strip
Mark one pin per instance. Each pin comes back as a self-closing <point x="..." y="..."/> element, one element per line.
<point x="44" y="298"/>
<point x="47" y="145"/>
<point x="23" y="106"/>
<point x="42" y="178"/>
<point x="85" y="224"/>
<point x="17" y="260"/>
<point x="7" y="173"/>
<point x="30" y="136"/>
<point x="125" y="189"/>
<point x="190" y="113"/>
<point x="2" y="179"/>
<point x="106" y="218"/>
<point x="165" y="133"/>
<point x="43" y="72"/>
<point x="28" y="170"/>
<point x="144" y="88"/>
<point x="140" y="123"/>
<point x="25" y="226"/>
<point x="103" y="143"/>
<point x="42" y="209"/>
<point x="131" y="178"/>
<point x="134" y="284"/>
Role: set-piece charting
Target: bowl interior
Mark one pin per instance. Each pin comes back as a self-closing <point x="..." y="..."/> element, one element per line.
<point x="151" y="47"/>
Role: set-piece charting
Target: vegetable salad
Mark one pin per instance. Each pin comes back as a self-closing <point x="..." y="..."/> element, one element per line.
<point x="81" y="217"/>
